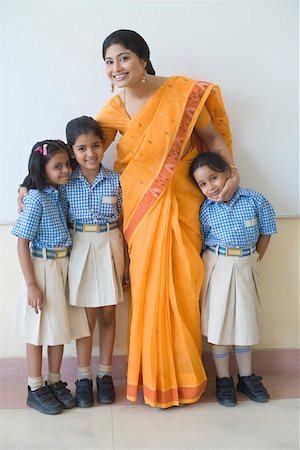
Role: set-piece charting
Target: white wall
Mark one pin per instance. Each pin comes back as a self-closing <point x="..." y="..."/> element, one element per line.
<point x="51" y="71"/>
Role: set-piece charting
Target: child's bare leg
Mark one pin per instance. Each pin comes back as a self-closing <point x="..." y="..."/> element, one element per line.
<point x="34" y="360"/>
<point x="107" y="325"/>
<point x="84" y="383"/>
<point x="84" y="345"/>
<point x="107" y="328"/>
<point x="55" y="354"/>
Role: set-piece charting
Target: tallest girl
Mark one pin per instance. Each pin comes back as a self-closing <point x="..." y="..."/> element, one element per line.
<point x="164" y="122"/>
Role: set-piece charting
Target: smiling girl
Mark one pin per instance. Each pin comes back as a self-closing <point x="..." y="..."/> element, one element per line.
<point x="43" y="315"/>
<point x="96" y="270"/>
<point x="236" y="234"/>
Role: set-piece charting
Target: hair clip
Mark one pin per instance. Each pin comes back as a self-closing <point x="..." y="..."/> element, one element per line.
<point x="42" y="150"/>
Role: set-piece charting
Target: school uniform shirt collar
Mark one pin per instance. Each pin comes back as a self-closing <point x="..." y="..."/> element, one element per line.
<point x="52" y="191"/>
<point x="102" y="174"/>
<point x="240" y="192"/>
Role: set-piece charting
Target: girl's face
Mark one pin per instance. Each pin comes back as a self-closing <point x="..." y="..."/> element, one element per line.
<point x="88" y="151"/>
<point x="123" y="67"/>
<point x="210" y="181"/>
<point x="58" y="169"/>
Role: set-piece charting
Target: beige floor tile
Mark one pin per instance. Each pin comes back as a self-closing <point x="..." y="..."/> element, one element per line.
<point x="204" y="426"/>
<point x="76" y="429"/>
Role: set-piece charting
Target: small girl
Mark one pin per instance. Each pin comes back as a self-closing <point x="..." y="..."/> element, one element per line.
<point x="236" y="235"/>
<point x="43" y="316"/>
<point x="96" y="269"/>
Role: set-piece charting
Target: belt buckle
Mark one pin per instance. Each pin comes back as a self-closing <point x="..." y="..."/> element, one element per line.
<point x="91" y="227"/>
<point x="60" y="253"/>
<point x="233" y="251"/>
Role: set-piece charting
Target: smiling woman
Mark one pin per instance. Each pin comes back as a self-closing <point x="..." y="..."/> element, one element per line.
<point x="163" y="121"/>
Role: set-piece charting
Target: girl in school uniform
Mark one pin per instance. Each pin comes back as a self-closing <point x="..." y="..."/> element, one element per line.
<point x="43" y="316"/>
<point x="96" y="269"/>
<point x="235" y="235"/>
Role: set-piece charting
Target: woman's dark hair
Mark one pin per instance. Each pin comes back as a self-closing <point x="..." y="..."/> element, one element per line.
<point x="42" y="152"/>
<point x="131" y="41"/>
<point x="82" y="125"/>
<point x="211" y="159"/>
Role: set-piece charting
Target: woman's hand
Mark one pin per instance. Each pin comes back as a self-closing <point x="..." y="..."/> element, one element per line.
<point x="215" y="143"/>
<point x="22" y="193"/>
<point x="230" y="187"/>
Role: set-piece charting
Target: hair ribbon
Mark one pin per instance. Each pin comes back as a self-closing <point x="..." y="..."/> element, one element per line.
<point x="42" y="150"/>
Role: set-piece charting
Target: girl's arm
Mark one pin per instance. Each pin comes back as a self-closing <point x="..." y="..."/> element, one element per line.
<point x="34" y="294"/>
<point x="126" y="278"/>
<point x="22" y="192"/>
<point x="262" y="244"/>
<point x="215" y="143"/>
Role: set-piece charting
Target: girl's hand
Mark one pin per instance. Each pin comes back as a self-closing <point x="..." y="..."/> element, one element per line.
<point x="22" y="193"/>
<point x="35" y="298"/>
<point x="126" y="278"/>
<point x="229" y="189"/>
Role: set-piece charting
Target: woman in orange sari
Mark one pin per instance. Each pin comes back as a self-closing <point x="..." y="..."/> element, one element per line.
<point x="163" y="122"/>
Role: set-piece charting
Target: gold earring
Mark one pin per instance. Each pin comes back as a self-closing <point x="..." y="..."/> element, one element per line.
<point x="143" y="79"/>
<point x="112" y="87"/>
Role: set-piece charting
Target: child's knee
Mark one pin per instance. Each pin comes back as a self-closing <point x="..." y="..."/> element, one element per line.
<point x="91" y="317"/>
<point x="106" y="316"/>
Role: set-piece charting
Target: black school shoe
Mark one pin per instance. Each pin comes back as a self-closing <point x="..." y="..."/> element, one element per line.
<point x="226" y="395"/>
<point x="105" y="389"/>
<point x="84" y="393"/>
<point x="62" y="394"/>
<point x="43" y="401"/>
<point x="253" y="388"/>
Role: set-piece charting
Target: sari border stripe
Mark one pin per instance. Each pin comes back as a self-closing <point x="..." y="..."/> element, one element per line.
<point x="168" y="169"/>
<point x="182" y="394"/>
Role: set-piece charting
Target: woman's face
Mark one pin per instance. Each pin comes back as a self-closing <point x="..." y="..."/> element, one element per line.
<point x="123" y="67"/>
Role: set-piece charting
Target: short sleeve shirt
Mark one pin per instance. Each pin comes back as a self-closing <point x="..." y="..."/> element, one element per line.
<point x="238" y="223"/>
<point x="99" y="203"/>
<point x="43" y="220"/>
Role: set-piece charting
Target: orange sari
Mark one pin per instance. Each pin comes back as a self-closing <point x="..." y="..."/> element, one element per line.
<point x="161" y="226"/>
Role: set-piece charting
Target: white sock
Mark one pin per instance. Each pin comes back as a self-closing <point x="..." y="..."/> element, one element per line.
<point x="104" y="370"/>
<point x="84" y="373"/>
<point x="243" y="360"/>
<point x="221" y="360"/>
<point x="35" y="383"/>
<point x="53" y="378"/>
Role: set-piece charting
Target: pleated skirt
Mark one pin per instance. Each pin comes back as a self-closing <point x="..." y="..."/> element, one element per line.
<point x="96" y="269"/>
<point x="58" y="322"/>
<point x="231" y="312"/>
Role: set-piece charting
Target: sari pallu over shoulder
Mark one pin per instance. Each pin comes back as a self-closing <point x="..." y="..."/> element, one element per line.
<point x="155" y="139"/>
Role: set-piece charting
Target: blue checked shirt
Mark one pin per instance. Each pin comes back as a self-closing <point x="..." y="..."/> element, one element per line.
<point x="100" y="202"/>
<point x="239" y="223"/>
<point x="43" y="220"/>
